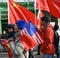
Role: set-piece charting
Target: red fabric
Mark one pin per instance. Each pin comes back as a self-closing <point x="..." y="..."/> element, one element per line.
<point x="52" y="6"/>
<point x="48" y="37"/>
<point x="27" y="41"/>
<point x="18" y="12"/>
<point x="8" y="48"/>
<point x="9" y="51"/>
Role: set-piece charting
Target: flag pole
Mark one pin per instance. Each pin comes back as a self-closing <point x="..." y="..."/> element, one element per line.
<point x="35" y="10"/>
<point x="8" y="12"/>
<point x="28" y="3"/>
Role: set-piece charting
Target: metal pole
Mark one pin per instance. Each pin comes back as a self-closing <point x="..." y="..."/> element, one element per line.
<point x="35" y="10"/>
<point x="8" y="12"/>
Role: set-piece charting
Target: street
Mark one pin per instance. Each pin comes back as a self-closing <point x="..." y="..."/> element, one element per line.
<point x="5" y="55"/>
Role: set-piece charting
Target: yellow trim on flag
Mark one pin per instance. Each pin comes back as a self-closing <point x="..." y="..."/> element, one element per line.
<point x="14" y="5"/>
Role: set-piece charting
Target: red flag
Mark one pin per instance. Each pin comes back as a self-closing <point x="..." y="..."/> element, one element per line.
<point x="52" y="6"/>
<point x="8" y="49"/>
<point x="5" y="42"/>
<point x="18" y="12"/>
<point x="27" y="41"/>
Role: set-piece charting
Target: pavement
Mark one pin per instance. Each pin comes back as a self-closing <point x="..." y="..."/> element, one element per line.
<point x="5" y="55"/>
<point x="34" y="52"/>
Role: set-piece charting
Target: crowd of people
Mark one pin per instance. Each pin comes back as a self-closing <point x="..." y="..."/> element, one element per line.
<point x="47" y="32"/>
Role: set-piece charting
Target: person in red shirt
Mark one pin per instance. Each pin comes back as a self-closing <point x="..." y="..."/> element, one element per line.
<point x="47" y="47"/>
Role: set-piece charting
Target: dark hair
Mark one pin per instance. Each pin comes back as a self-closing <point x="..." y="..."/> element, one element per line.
<point x="10" y="26"/>
<point x="45" y="12"/>
<point x="56" y="27"/>
<point x="45" y="19"/>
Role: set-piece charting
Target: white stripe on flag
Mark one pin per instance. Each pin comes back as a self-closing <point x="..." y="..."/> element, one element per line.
<point x="40" y="39"/>
<point x="36" y="38"/>
<point x="23" y="31"/>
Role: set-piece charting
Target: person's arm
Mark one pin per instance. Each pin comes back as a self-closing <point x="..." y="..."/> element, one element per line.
<point x="49" y="34"/>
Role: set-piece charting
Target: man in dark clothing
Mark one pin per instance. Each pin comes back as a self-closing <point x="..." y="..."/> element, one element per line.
<point x="56" y="39"/>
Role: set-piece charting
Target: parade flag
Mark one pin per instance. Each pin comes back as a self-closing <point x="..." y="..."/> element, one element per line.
<point x="17" y="12"/>
<point x="25" y="38"/>
<point x="32" y="30"/>
<point x="33" y="34"/>
<point x="29" y="35"/>
<point x="52" y="6"/>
